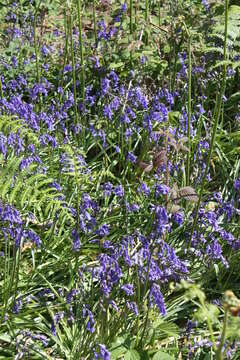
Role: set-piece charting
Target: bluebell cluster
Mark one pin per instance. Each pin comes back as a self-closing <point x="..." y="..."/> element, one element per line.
<point x="125" y="216"/>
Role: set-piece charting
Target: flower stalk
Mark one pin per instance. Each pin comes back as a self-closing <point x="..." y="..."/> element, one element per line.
<point x="215" y="125"/>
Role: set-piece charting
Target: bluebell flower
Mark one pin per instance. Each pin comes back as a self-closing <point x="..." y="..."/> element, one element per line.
<point x="45" y="50"/>
<point x="68" y="68"/>
<point x="53" y="329"/>
<point x="131" y="157"/>
<point x="25" y="162"/>
<point x="161" y="222"/>
<point x="3" y="144"/>
<point x="228" y="209"/>
<point x="107" y="187"/>
<point x="10" y="214"/>
<point x="128" y="133"/>
<point x="144" y="188"/>
<point x="105" y="86"/>
<point x="102" y="354"/>
<point x="118" y="191"/>
<point x="101" y="33"/>
<point x="17" y="306"/>
<point x="76" y="240"/>
<point x="30" y="235"/>
<point x="117" y="149"/>
<point x="178" y="218"/>
<point x="161" y="189"/>
<point x="56" y="185"/>
<point x="206" y="5"/>
<point x="124" y="7"/>
<point x="124" y="118"/>
<point x="157" y="297"/>
<point x="86" y="313"/>
<point x="143" y="59"/>
<point x="103" y="230"/>
<point x="107" y="111"/>
<point x="128" y="289"/>
<point x="132" y="306"/>
<point x="71" y="295"/>
<point x="236" y="184"/>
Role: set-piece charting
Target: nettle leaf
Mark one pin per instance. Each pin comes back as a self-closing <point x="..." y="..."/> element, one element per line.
<point x="173" y="117"/>
<point x="166" y="328"/>
<point x="116" y="65"/>
<point x="210" y="312"/>
<point x="132" y="354"/>
<point x="118" y="351"/>
<point x="233" y="328"/>
<point x="161" y="355"/>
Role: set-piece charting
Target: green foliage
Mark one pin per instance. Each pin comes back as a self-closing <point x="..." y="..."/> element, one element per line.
<point x="58" y="286"/>
<point x="216" y="35"/>
<point x="160" y="355"/>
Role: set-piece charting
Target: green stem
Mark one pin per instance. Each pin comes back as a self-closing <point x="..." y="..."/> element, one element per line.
<point x="159" y="13"/>
<point x="136" y="13"/>
<point x="215" y="125"/>
<point x="209" y="324"/>
<point x="1" y="89"/>
<point x="146" y="10"/>
<point x="167" y="162"/>
<point x="79" y="9"/>
<point x="219" y="354"/>
<point x="73" y="71"/>
<point x="36" y="47"/>
<point x="146" y="20"/>
<point x="189" y="110"/>
<point x="131" y="16"/>
<point x="95" y="23"/>
<point x="138" y="305"/>
<point x="66" y="28"/>
<point x="38" y="70"/>
<point x="144" y="328"/>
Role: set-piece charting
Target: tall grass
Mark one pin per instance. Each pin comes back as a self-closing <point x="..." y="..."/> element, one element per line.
<point x="216" y="117"/>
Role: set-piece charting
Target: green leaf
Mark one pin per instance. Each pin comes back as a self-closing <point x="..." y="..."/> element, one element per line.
<point x="116" y="65"/>
<point x="132" y="355"/>
<point x="118" y="351"/>
<point x="161" y="355"/>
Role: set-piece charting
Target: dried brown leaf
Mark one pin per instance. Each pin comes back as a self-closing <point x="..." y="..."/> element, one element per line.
<point x="145" y="166"/>
<point x="148" y="168"/>
<point x="26" y="246"/>
<point x="174" y="193"/>
<point x="173" y="143"/>
<point x="173" y="208"/>
<point x="188" y="193"/>
<point x="160" y="158"/>
<point x="183" y="148"/>
<point x="183" y="140"/>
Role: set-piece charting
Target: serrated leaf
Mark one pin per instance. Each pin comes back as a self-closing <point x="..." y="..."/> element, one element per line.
<point x="132" y="354"/>
<point x="161" y="355"/>
<point x="116" y="65"/>
<point x="118" y="351"/>
<point x="221" y="63"/>
<point x="168" y="329"/>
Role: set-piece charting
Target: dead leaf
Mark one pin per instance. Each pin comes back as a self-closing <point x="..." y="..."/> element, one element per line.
<point x="188" y="193"/>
